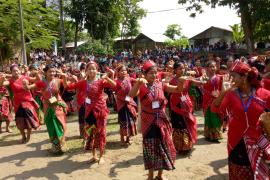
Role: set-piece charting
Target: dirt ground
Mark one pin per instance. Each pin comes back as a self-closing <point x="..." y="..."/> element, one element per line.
<point x="33" y="161"/>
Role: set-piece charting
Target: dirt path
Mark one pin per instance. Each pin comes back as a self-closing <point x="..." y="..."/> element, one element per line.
<point x="33" y="161"/>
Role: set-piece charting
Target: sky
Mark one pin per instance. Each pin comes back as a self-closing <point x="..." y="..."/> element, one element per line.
<point x="156" y="23"/>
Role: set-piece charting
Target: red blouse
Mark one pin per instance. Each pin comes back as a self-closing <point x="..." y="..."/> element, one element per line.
<point x="241" y="123"/>
<point x="215" y="84"/>
<point x="20" y="94"/>
<point x="266" y="83"/>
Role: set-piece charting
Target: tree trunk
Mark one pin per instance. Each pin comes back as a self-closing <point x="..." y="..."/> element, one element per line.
<point x="248" y="26"/>
<point x="62" y="27"/>
<point x="122" y="33"/>
<point x="76" y="35"/>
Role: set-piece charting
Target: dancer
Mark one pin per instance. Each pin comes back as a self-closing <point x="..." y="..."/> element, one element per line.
<point x="96" y="111"/>
<point x="158" y="149"/>
<point x="126" y="107"/>
<point x="211" y="90"/>
<point x="54" y="108"/>
<point x="248" y="148"/>
<point x="25" y="106"/>
<point x="5" y="109"/>
<point x="183" y="121"/>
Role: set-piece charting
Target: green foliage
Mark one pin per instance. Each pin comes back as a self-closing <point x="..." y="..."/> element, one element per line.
<point x="255" y="14"/>
<point x="95" y="47"/>
<point x="173" y="30"/>
<point x="102" y="18"/>
<point x="38" y="24"/>
<point x="131" y="13"/>
<point x="178" y="42"/>
<point x="238" y="34"/>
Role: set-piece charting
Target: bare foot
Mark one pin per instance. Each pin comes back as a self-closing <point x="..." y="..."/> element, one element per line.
<point x="129" y="141"/>
<point x="23" y="141"/>
<point x="93" y="160"/>
<point x="8" y="130"/>
<point x="101" y="160"/>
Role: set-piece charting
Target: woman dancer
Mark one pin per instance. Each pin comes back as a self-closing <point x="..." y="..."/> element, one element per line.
<point x="211" y="90"/>
<point x="54" y="108"/>
<point x="158" y="149"/>
<point x="5" y="107"/>
<point x="126" y="107"/>
<point x="25" y="106"/>
<point x="248" y="148"/>
<point x="183" y="121"/>
<point x="96" y="111"/>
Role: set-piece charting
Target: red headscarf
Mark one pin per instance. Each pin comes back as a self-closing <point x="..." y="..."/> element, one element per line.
<point x="252" y="73"/>
<point x="147" y="65"/>
<point x="240" y="68"/>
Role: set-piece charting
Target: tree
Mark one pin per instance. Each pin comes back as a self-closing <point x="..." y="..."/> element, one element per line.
<point x="173" y="30"/>
<point x="39" y="23"/>
<point x="131" y="13"/>
<point x="62" y="26"/>
<point x="77" y="11"/>
<point x="102" y="18"/>
<point x="178" y="42"/>
<point x="253" y="13"/>
<point x="238" y="34"/>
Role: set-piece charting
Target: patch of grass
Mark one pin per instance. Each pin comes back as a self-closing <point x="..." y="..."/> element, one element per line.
<point x="112" y="124"/>
<point x="74" y="145"/>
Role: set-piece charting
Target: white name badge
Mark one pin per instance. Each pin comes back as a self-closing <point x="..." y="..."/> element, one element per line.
<point x="53" y="100"/>
<point x="183" y="98"/>
<point x="88" y="101"/>
<point x="128" y="98"/>
<point x="155" y="105"/>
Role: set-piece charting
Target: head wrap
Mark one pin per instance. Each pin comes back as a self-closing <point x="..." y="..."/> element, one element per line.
<point x="147" y="65"/>
<point x="240" y="68"/>
<point x="253" y="76"/>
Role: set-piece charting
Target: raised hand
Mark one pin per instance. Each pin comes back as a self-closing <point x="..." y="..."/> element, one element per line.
<point x="142" y="81"/>
<point x="227" y="82"/>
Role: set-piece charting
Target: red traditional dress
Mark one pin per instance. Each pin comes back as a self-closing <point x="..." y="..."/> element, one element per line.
<point x="5" y="105"/>
<point x="158" y="149"/>
<point x="247" y="146"/>
<point x="266" y="83"/>
<point x="199" y="71"/>
<point x="96" y="111"/>
<point x="55" y="112"/>
<point x="212" y="123"/>
<point x="25" y="106"/>
<point x="184" y="123"/>
<point x="126" y="108"/>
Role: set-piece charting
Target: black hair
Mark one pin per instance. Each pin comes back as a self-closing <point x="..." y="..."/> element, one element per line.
<point x="208" y="63"/>
<point x="267" y="61"/>
<point x="223" y="67"/>
<point x="177" y="64"/>
<point x="32" y="66"/>
<point x="47" y="67"/>
<point x="259" y="66"/>
<point x="82" y="66"/>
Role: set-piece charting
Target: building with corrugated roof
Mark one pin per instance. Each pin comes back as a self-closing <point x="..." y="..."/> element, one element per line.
<point x="211" y="36"/>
